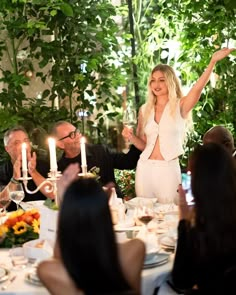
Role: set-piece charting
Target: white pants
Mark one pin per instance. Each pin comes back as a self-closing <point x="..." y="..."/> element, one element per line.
<point x="158" y="179"/>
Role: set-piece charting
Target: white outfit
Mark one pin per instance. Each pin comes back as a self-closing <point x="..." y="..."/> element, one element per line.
<point x="160" y="178"/>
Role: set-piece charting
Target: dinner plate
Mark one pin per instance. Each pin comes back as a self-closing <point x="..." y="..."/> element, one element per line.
<point x="167" y="241"/>
<point x="122" y="227"/>
<point x="32" y="204"/>
<point x="32" y="278"/>
<point x="4" y="274"/>
<point x="156" y="260"/>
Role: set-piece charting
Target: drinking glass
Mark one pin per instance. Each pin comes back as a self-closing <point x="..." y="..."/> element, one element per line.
<point x="4" y="199"/>
<point x="129" y="118"/>
<point x="145" y="212"/>
<point x="16" y="194"/>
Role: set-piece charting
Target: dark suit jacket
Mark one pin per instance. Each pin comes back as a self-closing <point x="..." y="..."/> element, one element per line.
<point x="105" y="159"/>
<point x="6" y="172"/>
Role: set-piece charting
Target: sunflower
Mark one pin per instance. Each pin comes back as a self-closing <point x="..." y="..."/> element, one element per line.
<point x="36" y="226"/>
<point x="20" y="228"/>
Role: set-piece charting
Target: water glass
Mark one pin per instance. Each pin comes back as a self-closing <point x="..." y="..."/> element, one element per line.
<point x="16" y="194"/>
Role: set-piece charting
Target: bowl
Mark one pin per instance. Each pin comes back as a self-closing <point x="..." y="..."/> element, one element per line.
<point x="38" y="249"/>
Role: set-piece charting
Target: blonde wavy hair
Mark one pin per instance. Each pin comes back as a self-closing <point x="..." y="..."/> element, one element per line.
<point x="174" y="90"/>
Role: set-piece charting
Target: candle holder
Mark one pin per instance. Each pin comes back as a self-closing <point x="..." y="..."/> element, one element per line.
<point x="85" y="173"/>
<point x="50" y="182"/>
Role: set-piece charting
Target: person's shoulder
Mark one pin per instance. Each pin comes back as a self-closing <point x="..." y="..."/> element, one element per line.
<point x="98" y="147"/>
<point x="136" y="245"/>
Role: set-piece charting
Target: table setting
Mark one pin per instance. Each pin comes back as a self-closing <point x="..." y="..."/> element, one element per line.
<point x="155" y="224"/>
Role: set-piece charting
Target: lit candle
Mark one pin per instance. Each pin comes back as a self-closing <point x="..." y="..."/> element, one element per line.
<point x="83" y="152"/>
<point x="52" y="153"/>
<point x="24" y="157"/>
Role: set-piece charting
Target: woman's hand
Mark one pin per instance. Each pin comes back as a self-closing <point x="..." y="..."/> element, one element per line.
<point x="127" y="133"/>
<point x="220" y="54"/>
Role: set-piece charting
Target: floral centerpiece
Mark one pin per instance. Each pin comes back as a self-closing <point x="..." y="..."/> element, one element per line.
<point x="20" y="227"/>
<point x="126" y="181"/>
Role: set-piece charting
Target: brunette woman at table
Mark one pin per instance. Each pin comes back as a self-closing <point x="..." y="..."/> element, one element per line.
<point x="161" y="129"/>
<point x="87" y="258"/>
<point x="205" y="255"/>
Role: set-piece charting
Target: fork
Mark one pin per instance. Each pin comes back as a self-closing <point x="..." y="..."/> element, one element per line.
<point x="4" y="287"/>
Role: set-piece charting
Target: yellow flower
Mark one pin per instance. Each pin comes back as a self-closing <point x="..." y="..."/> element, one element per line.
<point x="36" y="226"/>
<point x="3" y="230"/>
<point x="20" y="228"/>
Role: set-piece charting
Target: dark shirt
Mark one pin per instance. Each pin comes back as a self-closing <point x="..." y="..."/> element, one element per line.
<point x="208" y="273"/>
<point x="6" y="172"/>
<point x="106" y="160"/>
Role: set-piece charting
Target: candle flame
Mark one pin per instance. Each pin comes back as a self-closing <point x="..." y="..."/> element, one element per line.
<point x="51" y="140"/>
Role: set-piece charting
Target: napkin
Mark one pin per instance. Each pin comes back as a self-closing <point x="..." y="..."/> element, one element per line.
<point x="117" y="206"/>
<point x="150" y="240"/>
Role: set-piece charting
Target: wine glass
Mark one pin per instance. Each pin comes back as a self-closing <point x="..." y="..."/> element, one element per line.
<point x="129" y="118"/>
<point x="16" y="194"/>
<point x="145" y="212"/>
<point x="4" y="199"/>
<point x="129" y="121"/>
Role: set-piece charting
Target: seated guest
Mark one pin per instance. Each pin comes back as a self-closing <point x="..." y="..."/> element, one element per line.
<point x="205" y="255"/>
<point x="10" y="171"/>
<point x="68" y="140"/>
<point x="220" y="135"/>
<point x="87" y="259"/>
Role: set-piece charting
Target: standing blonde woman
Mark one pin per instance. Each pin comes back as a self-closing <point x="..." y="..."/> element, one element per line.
<point x="161" y="130"/>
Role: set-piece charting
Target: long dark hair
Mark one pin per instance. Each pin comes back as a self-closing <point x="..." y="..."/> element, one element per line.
<point x="214" y="189"/>
<point x="87" y="241"/>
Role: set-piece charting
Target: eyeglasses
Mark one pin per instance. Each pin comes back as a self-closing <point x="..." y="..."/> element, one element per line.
<point x="71" y="135"/>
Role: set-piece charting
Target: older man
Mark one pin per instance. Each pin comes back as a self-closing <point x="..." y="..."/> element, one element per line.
<point x="10" y="171"/>
<point x="68" y="140"/>
<point x="221" y="135"/>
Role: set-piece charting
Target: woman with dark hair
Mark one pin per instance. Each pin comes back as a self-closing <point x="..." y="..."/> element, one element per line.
<point x="205" y="256"/>
<point x="87" y="254"/>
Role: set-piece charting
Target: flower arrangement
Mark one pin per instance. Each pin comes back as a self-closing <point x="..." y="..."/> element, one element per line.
<point x="126" y="181"/>
<point x="20" y="227"/>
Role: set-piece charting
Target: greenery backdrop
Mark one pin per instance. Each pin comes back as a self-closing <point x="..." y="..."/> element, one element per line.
<point x="89" y="58"/>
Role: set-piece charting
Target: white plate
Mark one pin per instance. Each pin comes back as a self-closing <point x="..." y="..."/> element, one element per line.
<point x="4" y="274"/>
<point x="167" y="241"/>
<point x="30" y="277"/>
<point x="121" y="227"/>
<point x="158" y="259"/>
<point x="32" y="204"/>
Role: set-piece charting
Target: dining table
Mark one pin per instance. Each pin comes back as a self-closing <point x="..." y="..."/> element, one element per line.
<point x="151" y="278"/>
<point x="18" y="282"/>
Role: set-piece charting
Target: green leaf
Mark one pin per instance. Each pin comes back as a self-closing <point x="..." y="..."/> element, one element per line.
<point x="67" y="9"/>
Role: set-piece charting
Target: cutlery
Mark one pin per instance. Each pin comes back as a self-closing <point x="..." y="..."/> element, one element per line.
<point x="4" y="287"/>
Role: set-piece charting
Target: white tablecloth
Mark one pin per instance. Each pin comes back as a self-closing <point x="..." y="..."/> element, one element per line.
<point x="150" y="278"/>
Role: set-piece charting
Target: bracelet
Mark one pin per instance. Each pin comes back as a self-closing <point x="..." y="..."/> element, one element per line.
<point x="15" y="181"/>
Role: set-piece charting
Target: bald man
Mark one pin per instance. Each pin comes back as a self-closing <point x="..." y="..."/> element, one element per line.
<point x="221" y="135"/>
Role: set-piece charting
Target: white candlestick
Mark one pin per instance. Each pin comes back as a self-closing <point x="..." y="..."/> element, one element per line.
<point x="52" y="153"/>
<point x="83" y="152"/>
<point x="24" y="157"/>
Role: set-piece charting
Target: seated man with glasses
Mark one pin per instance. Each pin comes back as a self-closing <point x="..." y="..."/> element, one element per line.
<point x="10" y="171"/>
<point x="100" y="156"/>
